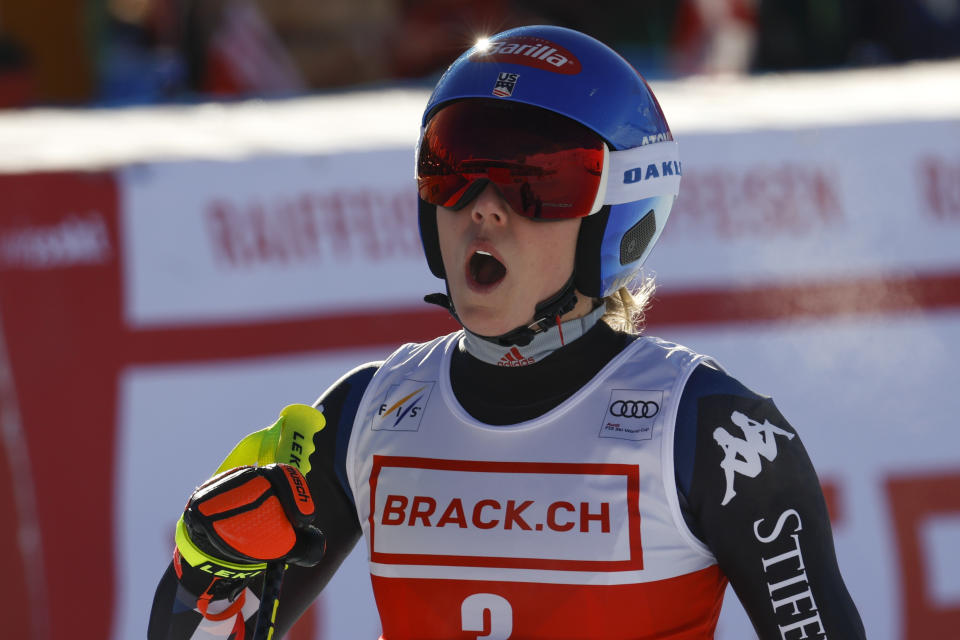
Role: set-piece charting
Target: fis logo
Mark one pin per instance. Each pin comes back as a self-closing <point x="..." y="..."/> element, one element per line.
<point x="505" y="84"/>
<point x="401" y="408"/>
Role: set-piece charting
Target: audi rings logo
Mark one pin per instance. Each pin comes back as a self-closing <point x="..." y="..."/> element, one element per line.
<point x="634" y="409"/>
<point x="631" y="414"/>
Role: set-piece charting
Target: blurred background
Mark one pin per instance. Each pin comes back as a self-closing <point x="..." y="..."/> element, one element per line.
<point x="207" y="213"/>
<point x="115" y="52"/>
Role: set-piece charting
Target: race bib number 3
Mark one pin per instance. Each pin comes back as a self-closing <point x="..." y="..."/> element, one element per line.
<point x="422" y="609"/>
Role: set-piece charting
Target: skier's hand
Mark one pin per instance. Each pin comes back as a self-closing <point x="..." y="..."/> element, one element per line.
<point x="247" y="516"/>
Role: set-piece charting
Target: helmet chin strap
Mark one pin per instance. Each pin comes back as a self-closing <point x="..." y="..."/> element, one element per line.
<point x="545" y="315"/>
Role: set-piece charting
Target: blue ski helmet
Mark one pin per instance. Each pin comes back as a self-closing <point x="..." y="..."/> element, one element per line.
<point x="576" y="76"/>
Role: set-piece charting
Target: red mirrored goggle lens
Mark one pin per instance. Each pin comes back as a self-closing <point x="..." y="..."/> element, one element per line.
<point x="545" y="165"/>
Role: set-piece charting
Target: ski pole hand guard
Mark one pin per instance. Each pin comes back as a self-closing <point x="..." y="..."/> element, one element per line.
<point x="247" y="516"/>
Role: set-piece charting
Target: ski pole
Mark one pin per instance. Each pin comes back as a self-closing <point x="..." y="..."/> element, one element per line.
<point x="269" y="600"/>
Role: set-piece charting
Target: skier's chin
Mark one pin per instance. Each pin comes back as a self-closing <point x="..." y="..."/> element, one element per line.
<point x="484" y="322"/>
<point x="485" y="318"/>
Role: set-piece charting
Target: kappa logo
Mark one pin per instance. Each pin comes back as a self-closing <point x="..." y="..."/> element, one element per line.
<point x="631" y="414"/>
<point x="401" y="408"/>
<point x="743" y="455"/>
<point x="505" y="84"/>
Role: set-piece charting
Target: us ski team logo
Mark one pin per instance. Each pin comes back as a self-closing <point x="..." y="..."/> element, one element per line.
<point x="401" y="407"/>
<point x="743" y="456"/>
<point x="505" y="84"/>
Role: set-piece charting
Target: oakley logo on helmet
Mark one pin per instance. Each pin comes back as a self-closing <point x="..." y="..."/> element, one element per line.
<point x="634" y="409"/>
<point x="505" y="83"/>
<point x="631" y="414"/>
<point x="637" y="174"/>
<point x="531" y="52"/>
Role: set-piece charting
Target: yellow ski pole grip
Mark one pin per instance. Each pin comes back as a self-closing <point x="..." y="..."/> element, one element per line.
<point x="288" y="440"/>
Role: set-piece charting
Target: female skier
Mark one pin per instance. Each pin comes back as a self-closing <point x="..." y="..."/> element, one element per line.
<point x="546" y="472"/>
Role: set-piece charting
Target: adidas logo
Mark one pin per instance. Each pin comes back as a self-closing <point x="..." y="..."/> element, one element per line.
<point x="514" y="358"/>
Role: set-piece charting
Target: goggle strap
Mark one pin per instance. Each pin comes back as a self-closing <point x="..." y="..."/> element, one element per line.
<point x="643" y="172"/>
<point x="416" y="153"/>
<point x="604" y="177"/>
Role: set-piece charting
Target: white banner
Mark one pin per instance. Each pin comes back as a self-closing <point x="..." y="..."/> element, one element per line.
<point x="804" y="204"/>
<point x="270" y="238"/>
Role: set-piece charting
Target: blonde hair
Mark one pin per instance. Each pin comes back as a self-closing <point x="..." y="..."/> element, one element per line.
<point x="625" y="309"/>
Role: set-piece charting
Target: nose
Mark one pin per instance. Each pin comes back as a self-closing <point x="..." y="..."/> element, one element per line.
<point x="489" y="207"/>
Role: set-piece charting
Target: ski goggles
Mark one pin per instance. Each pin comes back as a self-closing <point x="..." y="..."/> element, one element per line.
<point x="546" y="166"/>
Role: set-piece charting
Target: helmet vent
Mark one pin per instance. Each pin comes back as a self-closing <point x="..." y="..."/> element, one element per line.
<point x="637" y="237"/>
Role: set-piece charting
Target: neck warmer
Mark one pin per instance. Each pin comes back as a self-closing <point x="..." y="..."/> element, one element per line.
<point x="543" y="344"/>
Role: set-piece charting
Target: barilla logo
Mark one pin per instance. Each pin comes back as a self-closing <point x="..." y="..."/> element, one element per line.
<point x="667" y="168"/>
<point x="514" y="358"/>
<point x="531" y="52"/>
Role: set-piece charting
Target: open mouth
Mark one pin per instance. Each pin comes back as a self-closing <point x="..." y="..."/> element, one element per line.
<point x="485" y="270"/>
